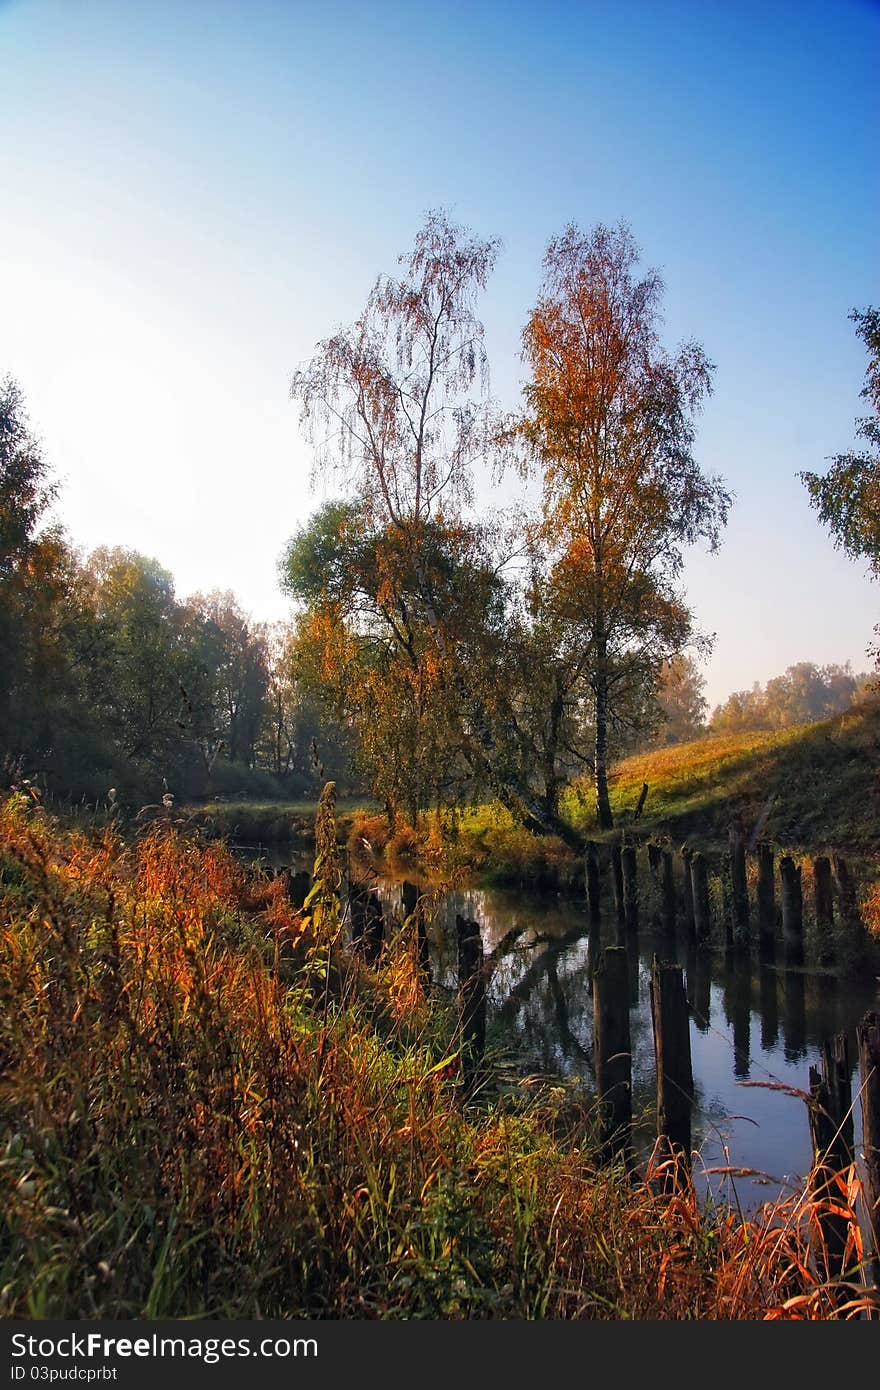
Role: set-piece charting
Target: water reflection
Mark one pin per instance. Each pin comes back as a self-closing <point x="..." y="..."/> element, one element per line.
<point x="752" y="1022"/>
<point x="755" y="1021"/>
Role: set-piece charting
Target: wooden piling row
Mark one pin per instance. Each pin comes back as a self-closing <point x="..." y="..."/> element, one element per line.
<point x="834" y="897"/>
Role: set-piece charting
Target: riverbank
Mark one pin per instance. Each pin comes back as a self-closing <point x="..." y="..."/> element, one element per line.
<point x="212" y="1108"/>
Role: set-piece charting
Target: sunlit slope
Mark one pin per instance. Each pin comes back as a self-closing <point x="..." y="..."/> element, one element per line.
<point x="825" y="779"/>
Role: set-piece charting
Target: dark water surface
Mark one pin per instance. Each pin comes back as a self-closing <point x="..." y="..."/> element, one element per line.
<point x="753" y="1025"/>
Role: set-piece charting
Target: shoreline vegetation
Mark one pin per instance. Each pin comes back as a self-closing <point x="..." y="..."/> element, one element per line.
<point x="813" y="789"/>
<point x="212" y="1106"/>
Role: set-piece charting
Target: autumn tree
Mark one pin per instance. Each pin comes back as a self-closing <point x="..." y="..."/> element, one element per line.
<point x="610" y="424"/>
<point x="395" y="583"/>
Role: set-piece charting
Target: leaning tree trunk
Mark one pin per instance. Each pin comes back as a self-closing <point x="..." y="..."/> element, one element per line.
<point x="603" y="802"/>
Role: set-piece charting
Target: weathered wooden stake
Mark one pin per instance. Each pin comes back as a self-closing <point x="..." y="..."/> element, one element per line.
<point x="299" y="883"/>
<point x="739" y="890"/>
<point x="687" y="860"/>
<point x="792" y="911"/>
<point x="629" y="865"/>
<point x="868" y="1037"/>
<point x="727" y="901"/>
<point x="591" y="870"/>
<point x="672" y="1053"/>
<point x="766" y="902"/>
<point x="617" y="884"/>
<point x="375" y="928"/>
<point x="471" y="999"/>
<point x="831" y="1128"/>
<point x="413" y="908"/>
<point x="702" y="906"/>
<point x="847" y="898"/>
<point x="668" y="893"/>
<point x="612" y="1049"/>
<point x="823" y="903"/>
<point x="367" y="921"/>
<point x="655" y="857"/>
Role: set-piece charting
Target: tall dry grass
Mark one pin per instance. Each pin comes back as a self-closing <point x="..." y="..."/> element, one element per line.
<point x="211" y="1108"/>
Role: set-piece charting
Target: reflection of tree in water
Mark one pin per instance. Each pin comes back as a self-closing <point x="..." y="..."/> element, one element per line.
<point x="750" y="1020"/>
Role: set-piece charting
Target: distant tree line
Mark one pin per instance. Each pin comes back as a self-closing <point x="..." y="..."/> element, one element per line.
<point x="108" y="680"/>
<point x="803" y="694"/>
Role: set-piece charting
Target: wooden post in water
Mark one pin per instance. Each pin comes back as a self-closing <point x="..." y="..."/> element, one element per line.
<point x="847" y="898"/>
<point x="727" y="901"/>
<point x="831" y="1129"/>
<point x="823" y="902"/>
<point x="687" y="859"/>
<point x="739" y="890"/>
<point x="299" y="883"/>
<point x="374" y="928"/>
<point x="617" y="883"/>
<point x="792" y="911"/>
<point x="672" y="1053"/>
<point x="413" y="910"/>
<point x="766" y="902"/>
<point x="655" y="857"/>
<point x="629" y="865"/>
<point x="591" y="872"/>
<point x="612" y="1049"/>
<point x="868" y="1037"/>
<point x="701" y="900"/>
<point x="668" y="893"/>
<point x="471" y="999"/>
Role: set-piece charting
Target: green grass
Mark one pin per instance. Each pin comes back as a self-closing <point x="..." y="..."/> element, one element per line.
<point x="823" y="778"/>
<point x="266" y="821"/>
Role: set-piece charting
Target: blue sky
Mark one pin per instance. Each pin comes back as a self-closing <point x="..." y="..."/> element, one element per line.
<point x="196" y="192"/>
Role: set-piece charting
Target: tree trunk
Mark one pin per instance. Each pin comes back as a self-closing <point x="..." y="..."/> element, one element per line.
<point x="603" y="802"/>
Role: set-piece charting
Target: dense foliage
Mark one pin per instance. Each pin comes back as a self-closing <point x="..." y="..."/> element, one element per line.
<point x="109" y="681"/>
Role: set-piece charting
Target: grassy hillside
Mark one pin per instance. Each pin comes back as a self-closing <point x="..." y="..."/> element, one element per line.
<point x="824" y="777"/>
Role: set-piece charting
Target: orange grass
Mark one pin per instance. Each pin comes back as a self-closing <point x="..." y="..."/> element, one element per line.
<point x="211" y="1109"/>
